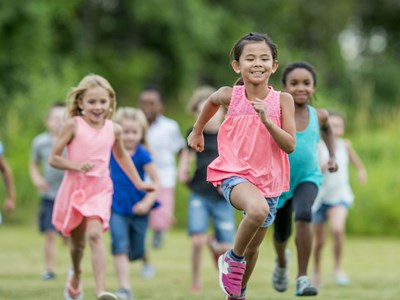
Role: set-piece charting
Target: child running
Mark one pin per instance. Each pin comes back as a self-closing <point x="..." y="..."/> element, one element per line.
<point x="299" y="79"/>
<point x="334" y="199"/>
<point x="206" y="202"/>
<point x="47" y="181"/>
<point x="82" y="207"/>
<point x="252" y="168"/>
<point x="130" y="206"/>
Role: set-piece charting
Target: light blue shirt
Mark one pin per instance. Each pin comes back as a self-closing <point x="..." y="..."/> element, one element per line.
<point x="303" y="160"/>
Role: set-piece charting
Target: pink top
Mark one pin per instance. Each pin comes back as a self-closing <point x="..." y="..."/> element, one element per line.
<point x="246" y="148"/>
<point x="90" y="194"/>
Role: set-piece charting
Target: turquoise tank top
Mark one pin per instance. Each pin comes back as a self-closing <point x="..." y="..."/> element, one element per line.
<point x="303" y="160"/>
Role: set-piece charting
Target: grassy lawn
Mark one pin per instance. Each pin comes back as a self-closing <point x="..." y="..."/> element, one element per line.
<point x="373" y="265"/>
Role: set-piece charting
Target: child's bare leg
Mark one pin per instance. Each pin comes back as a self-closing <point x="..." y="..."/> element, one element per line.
<point x="198" y="241"/>
<point x="245" y="196"/>
<point x="77" y="245"/>
<point x="320" y="237"/>
<point x="121" y="264"/>
<point x="94" y="235"/>
<point x="337" y="218"/>
<point x="251" y="254"/>
<point x="49" y="250"/>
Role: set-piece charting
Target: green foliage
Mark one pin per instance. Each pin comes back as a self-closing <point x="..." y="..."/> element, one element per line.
<point x="48" y="46"/>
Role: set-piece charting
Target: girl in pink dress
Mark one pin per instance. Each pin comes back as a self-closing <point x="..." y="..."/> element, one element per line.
<point x="252" y="168"/>
<point x="83" y="204"/>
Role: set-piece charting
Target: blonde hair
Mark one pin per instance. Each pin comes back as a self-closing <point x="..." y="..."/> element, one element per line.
<point x="135" y="114"/>
<point x="199" y="95"/>
<point x="88" y="82"/>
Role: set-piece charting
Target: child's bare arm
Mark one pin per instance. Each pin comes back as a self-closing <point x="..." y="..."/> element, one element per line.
<point x="285" y="137"/>
<point x="126" y="164"/>
<point x="327" y="136"/>
<point x="57" y="160"/>
<point x="144" y="206"/>
<point x="357" y="163"/>
<point x="220" y="97"/>
<point x="6" y="172"/>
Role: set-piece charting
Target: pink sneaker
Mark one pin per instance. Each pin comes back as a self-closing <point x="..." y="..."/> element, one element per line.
<point x="231" y="275"/>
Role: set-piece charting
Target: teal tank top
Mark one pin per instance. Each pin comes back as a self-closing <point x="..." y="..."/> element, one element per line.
<point x="303" y="160"/>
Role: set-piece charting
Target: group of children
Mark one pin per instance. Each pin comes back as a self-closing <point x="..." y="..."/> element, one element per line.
<point x="258" y="148"/>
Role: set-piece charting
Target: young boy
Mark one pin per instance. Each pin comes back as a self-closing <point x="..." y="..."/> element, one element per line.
<point x="47" y="180"/>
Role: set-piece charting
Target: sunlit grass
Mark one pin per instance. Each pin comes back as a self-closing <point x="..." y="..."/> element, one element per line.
<point x="372" y="264"/>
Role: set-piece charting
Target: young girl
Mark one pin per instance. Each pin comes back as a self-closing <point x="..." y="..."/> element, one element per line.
<point x="83" y="203"/>
<point x="206" y="202"/>
<point x="299" y="80"/>
<point x="334" y="199"/>
<point x="252" y="168"/>
<point x="130" y="207"/>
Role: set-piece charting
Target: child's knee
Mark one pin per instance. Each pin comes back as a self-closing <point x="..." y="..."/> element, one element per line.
<point x="258" y="212"/>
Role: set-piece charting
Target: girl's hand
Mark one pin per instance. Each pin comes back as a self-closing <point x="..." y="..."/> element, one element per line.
<point x="147" y="187"/>
<point x="332" y="165"/>
<point x="85" y="167"/>
<point x="261" y="108"/>
<point x="141" y="208"/>
<point x="362" y="177"/>
<point x="196" y="141"/>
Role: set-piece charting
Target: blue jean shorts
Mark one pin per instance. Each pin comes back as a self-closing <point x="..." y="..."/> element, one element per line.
<point x="45" y="214"/>
<point x="128" y="235"/>
<point x="229" y="183"/>
<point x="202" y="208"/>
<point x="321" y="214"/>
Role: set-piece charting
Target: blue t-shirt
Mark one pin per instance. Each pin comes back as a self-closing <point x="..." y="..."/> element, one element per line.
<point x="126" y="195"/>
<point x="303" y="160"/>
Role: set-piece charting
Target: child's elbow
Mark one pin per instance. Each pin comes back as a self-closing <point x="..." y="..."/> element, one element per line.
<point x="51" y="161"/>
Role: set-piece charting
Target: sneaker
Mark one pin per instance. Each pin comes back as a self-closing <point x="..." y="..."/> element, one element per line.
<point x="148" y="271"/>
<point x="47" y="275"/>
<point x="241" y="297"/>
<point x="304" y="287"/>
<point x="280" y="276"/>
<point x="123" y="294"/>
<point x="342" y="280"/>
<point x="231" y="275"/>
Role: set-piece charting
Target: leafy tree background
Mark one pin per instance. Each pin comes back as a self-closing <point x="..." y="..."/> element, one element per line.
<point x="47" y="46"/>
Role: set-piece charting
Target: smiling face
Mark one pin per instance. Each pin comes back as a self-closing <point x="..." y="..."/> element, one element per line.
<point x="256" y="63"/>
<point x="150" y="103"/>
<point x="300" y="84"/>
<point x="95" y="105"/>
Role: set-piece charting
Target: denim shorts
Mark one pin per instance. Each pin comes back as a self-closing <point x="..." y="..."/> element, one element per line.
<point x="321" y="215"/>
<point x="45" y="215"/>
<point x="229" y="183"/>
<point x="202" y="208"/>
<point x="128" y="235"/>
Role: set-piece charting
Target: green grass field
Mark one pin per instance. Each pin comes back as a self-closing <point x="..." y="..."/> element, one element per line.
<point x="373" y="265"/>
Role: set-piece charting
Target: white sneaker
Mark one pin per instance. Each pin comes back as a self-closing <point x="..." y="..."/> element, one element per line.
<point x="148" y="271"/>
<point x="304" y="287"/>
<point x="280" y="276"/>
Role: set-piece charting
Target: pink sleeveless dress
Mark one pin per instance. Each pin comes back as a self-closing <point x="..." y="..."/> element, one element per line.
<point x="246" y="148"/>
<point x="90" y="194"/>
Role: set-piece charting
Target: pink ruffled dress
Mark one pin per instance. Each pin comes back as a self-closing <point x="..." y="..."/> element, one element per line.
<point x="246" y="148"/>
<point x="90" y="194"/>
